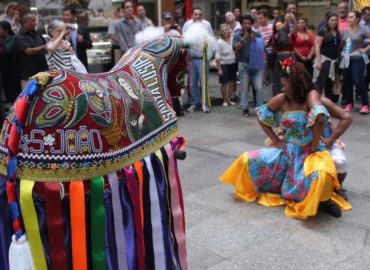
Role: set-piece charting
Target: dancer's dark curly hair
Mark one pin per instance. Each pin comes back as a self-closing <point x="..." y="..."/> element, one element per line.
<point x="300" y="79"/>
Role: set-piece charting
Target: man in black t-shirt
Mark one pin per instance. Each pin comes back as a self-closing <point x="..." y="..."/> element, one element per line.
<point x="31" y="50"/>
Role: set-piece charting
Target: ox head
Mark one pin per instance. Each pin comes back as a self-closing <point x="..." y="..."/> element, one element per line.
<point x="78" y="126"/>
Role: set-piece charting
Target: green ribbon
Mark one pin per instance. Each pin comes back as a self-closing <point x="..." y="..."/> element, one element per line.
<point x="97" y="223"/>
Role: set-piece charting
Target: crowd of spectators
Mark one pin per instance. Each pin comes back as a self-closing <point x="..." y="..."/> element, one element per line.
<point x="250" y="50"/>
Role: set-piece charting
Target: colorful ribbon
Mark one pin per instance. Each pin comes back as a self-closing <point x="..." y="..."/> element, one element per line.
<point x="31" y="224"/>
<point x="55" y="226"/>
<point x="206" y="100"/>
<point x="97" y="223"/>
<point x="118" y="222"/>
<point x="164" y="190"/>
<point x="78" y="225"/>
<point x="176" y="208"/>
<point x="157" y="234"/>
<point x="134" y="195"/>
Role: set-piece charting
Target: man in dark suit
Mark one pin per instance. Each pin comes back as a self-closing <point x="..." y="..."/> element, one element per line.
<point x="80" y="37"/>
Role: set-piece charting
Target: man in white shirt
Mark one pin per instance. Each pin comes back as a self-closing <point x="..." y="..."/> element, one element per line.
<point x="196" y="63"/>
<point x="232" y="22"/>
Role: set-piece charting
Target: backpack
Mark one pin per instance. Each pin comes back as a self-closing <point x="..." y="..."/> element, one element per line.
<point x="282" y="40"/>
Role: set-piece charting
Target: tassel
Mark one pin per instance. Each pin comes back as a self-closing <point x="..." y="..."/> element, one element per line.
<point x="20" y="254"/>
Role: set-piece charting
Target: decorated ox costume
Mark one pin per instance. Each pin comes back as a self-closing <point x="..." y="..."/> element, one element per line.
<point x="88" y="168"/>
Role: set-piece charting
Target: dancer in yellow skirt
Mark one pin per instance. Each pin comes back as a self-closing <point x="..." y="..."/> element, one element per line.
<point x="297" y="171"/>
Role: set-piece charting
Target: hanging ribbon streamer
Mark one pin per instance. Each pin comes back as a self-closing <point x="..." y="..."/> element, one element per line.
<point x="206" y="100"/>
<point x="162" y="184"/>
<point x="55" y="226"/>
<point x="78" y="225"/>
<point x="159" y="255"/>
<point x="118" y="222"/>
<point x="176" y="208"/>
<point x="31" y="224"/>
<point x="139" y="171"/>
<point x="179" y="144"/>
<point x="97" y="223"/>
<point x="134" y="195"/>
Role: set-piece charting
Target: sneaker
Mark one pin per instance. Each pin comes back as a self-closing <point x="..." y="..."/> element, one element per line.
<point x="246" y="112"/>
<point x="205" y="109"/>
<point x="232" y="103"/>
<point x="225" y="104"/>
<point x="331" y="208"/>
<point x="364" y="109"/>
<point x="348" y="108"/>
<point x="191" y="108"/>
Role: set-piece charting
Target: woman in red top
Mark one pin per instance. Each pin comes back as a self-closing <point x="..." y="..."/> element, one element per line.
<point x="303" y="44"/>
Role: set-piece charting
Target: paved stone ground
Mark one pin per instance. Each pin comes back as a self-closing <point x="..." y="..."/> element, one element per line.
<point x="223" y="233"/>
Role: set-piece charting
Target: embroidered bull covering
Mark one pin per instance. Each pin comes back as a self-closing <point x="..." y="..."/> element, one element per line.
<point x="91" y="161"/>
<point x="82" y="126"/>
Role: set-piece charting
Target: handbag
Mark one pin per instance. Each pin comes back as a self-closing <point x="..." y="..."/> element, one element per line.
<point x="78" y="65"/>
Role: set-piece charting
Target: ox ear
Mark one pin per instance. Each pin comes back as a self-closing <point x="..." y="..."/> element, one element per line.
<point x="148" y="33"/>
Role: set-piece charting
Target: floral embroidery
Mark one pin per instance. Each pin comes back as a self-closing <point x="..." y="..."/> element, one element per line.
<point x="49" y="140"/>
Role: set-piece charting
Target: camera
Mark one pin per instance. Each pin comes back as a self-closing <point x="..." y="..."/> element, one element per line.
<point x="173" y="27"/>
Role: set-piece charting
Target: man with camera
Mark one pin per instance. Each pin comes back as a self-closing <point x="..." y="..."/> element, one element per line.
<point x="78" y="36"/>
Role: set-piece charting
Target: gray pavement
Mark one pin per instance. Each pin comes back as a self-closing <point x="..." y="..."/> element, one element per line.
<point x="223" y="233"/>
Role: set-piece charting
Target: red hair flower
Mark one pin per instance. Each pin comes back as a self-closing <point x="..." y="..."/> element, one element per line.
<point x="285" y="65"/>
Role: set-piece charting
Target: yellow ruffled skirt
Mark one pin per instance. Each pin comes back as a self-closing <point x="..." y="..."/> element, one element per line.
<point x="320" y="190"/>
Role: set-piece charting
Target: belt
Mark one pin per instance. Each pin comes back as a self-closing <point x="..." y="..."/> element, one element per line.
<point x="201" y="57"/>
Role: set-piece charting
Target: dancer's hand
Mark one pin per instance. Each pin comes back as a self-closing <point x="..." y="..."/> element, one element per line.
<point x="327" y="141"/>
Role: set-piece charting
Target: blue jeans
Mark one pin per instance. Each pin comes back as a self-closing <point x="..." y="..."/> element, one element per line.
<point x="246" y="75"/>
<point x="354" y="75"/>
<point x="196" y="79"/>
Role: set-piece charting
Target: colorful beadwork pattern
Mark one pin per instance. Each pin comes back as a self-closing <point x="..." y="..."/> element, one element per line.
<point x="84" y="125"/>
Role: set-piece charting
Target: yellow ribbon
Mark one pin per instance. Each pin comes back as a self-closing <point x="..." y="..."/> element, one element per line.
<point x="31" y="224"/>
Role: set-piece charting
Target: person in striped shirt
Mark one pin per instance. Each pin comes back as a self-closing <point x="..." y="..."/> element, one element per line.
<point x="59" y="51"/>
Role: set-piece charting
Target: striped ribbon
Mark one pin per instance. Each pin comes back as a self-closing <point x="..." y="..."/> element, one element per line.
<point x="55" y="226"/>
<point x="118" y="222"/>
<point x="31" y="224"/>
<point x="157" y="234"/>
<point x="97" y="223"/>
<point x="176" y="208"/>
<point x="78" y="225"/>
<point x="179" y="144"/>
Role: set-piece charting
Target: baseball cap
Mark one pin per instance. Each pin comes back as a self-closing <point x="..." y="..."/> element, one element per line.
<point x="166" y="15"/>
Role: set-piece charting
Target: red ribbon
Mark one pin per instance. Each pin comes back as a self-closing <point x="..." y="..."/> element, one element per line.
<point x="133" y="189"/>
<point x="55" y="226"/>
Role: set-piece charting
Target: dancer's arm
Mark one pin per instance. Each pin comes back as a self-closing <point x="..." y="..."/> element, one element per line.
<point x="273" y="105"/>
<point x="345" y="120"/>
<point x="313" y="98"/>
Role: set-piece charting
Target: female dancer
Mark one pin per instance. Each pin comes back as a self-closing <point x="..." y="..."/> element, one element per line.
<point x="298" y="172"/>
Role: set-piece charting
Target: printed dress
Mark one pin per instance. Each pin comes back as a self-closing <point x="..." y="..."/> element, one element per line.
<point x="289" y="175"/>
